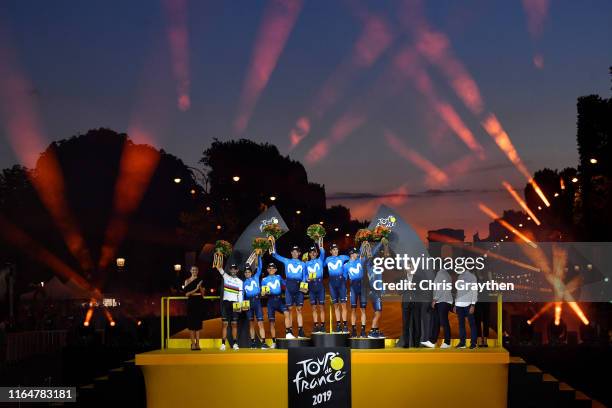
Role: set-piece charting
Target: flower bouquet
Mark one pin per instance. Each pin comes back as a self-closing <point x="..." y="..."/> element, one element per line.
<point x="362" y="235"/>
<point x="316" y="232"/>
<point x="261" y="245"/>
<point x="381" y="233"/>
<point x="362" y="240"/>
<point x="273" y="231"/>
<point x="223" y="249"/>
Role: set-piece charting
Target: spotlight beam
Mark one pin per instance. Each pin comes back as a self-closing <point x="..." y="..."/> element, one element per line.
<point x="278" y="21"/>
<point x="17" y="237"/>
<point x="520" y="202"/>
<point x="495" y="217"/>
<point x="25" y="134"/>
<point x="178" y="40"/>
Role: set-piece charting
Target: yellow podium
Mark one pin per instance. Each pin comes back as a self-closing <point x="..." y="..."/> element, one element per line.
<point x="388" y="377"/>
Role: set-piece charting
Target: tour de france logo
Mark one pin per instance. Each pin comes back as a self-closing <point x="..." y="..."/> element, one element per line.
<point x="388" y="222"/>
<point x="316" y="374"/>
<point x="272" y="220"/>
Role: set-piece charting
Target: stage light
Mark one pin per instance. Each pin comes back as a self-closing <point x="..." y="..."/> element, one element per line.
<point x="272" y="198"/>
<point x="539" y="208"/>
<point x="139" y="323"/>
<point x="575" y="180"/>
<point x="336" y="229"/>
<point x="177" y="180"/>
<point x="178" y="267"/>
<point x="528" y="218"/>
<point x="321" y="222"/>
<point x="236" y="178"/>
<point x="348" y="235"/>
<point x="112" y="323"/>
<point x="120" y="262"/>
<point x="298" y="212"/>
<point x="218" y="227"/>
<point x="192" y="191"/>
<point x="593" y="160"/>
<point x="520" y="225"/>
<point x="556" y="194"/>
<point x="86" y="324"/>
<point x="590" y="267"/>
<point x="207" y="208"/>
<point x="42" y="284"/>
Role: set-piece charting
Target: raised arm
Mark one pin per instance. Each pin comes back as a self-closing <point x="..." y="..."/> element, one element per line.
<point x="280" y="258"/>
<point x="259" y="269"/>
<point x="376" y="248"/>
<point x="322" y="253"/>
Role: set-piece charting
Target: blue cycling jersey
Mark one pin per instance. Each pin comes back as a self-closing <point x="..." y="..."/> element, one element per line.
<point x="335" y="265"/>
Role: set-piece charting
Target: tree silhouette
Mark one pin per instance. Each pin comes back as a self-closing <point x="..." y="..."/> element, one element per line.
<point x="90" y="168"/>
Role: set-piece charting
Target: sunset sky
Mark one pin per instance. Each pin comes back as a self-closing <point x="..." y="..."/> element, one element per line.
<point x="373" y="97"/>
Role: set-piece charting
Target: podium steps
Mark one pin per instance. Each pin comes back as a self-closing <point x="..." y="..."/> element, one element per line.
<point x="528" y="386"/>
<point x="121" y="386"/>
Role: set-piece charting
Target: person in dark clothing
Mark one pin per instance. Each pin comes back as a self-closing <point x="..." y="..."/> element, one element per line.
<point x="482" y="316"/>
<point x="416" y="313"/>
<point x="194" y="292"/>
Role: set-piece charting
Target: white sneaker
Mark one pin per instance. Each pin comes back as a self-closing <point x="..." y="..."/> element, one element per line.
<point x="444" y="345"/>
<point x="222" y="348"/>
<point x="273" y="345"/>
<point x="235" y="346"/>
<point x="428" y="344"/>
<point x="289" y="336"/>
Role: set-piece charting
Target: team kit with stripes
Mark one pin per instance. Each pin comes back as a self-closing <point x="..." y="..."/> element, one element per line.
<point x="286" y="295"/>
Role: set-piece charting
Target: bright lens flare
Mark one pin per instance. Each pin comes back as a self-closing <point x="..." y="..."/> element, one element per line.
<point x="520" y="202"/>
<point x="574" y="306"/>
<point x="505" y="224"/>
<point x="494" y="128"/>
<point x="539" y="313"/>
<point x="88" y="315"/>
<point x="557" y="313"/>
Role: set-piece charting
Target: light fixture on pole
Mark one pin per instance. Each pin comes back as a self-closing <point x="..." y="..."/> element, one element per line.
<point x="120" y="262"/>
<point x="178" y="267"/>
